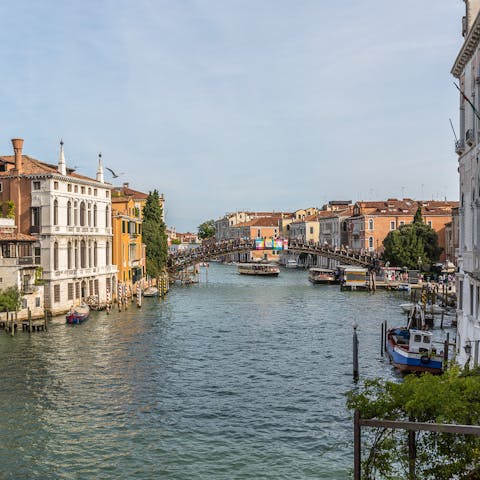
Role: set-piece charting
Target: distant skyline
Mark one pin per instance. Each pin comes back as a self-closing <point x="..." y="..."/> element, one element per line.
<point x="225" y="105"/>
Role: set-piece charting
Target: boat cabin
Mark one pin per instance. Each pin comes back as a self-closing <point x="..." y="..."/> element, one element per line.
<point x="353" y="277"/>
<point x="420" y="341"/>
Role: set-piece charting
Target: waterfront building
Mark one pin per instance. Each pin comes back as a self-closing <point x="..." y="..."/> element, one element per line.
<point x="70" y="217"/>
<point x="333" y="226"/>
<point x="466" y="69"/>
<point x="371" y="222"/>
<point x="139" y="198"/>
<point x="20" y="268"/>
<point x="128" y="249"/>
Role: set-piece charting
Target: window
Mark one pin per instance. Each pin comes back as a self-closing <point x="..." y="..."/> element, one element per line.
<point x="55" y="185"/>
<point x="37" y="301"/>
<point x="311" y="230"/>
<point x="55" y="256"/>
<point x="370" y="224"/>
<point x="107" y="194"/>
<point x="82" y="214"/>
<point x="69" y="255"/>
<point x="96" y="287"/>
<point x="36" y="251"/>
<point x="83" y="254"/>
<point x="75" y="188"/>
<point x="36" y="185"/>
<point x="69" y="213"/>
<point x="70" y="291"/>
<point x="392" y="225"/>
<point x="55" y="212"/>
<point x="124" y="226"/>
<point x="370" y="242"/>
<point x="69" y="187"/>
<point x="417" y="338"/>
<point x="83" y="190"/>
<point x="471" y="299"/>
<point x="75" y="213"/>
<point x="89" y="253"/>
<point x="429" y="223"/>
<point x="95" y="215"/>
<point x="75" y="253"/>
<point x="89" y="191"/>
<point x="36" y="216"/>
<point x="95" y="254"/>
<point x="258" y="233"/>
<point x="402" y="223"/>
<point x="95" y="192"/>
<point x="107" y="217"/>
<point x="89" y="214"/>
<point x="77" y="290"/>
<point x="1" y="187"/>
<point x="107" y="253"/>
<point x="56" y="293"/>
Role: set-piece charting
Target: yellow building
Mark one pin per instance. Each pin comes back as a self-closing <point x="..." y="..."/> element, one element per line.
<point x="128" y="249"/>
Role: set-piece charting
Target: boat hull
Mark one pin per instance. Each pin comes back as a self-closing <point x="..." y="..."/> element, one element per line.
<point x="406" y="361"/>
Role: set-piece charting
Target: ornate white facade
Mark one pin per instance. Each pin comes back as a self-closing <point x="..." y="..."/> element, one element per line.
<point x="467" y="70"/>
<point x="72" y="216"/>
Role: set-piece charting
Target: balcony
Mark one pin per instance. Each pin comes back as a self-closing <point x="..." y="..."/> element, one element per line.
<point x="25" y="261"/>
<point x="470" y="137"/>
<point x="459" y="147"/>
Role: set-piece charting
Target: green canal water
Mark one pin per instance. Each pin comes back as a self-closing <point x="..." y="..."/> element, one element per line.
<point x="237" y="378"/>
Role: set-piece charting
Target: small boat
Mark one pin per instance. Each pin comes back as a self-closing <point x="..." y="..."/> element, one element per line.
<point x="291" y="263"/>
<point x="408" y="307"/>
<point x="411" y="350"/>
<point x="78" y="314"/>
<point x="150" y="292"/>
<point x="404" y="287"/>
<point x="322" y="275"/>
<point x="265" y="269"/>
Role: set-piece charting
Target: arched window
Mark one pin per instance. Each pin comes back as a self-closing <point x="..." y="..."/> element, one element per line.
<point x="370" y="242"/>
<point x="95" y="215"/>
<point x="370" y="224"/>
<point x="83" y="254"/>
<point x="89" y="214"/>
<point x="75" y="213"/>
<point x="95" y="253"/>
<point x="69" y="213"/>
<point x="55" y="212"/>
<point x="89" y="253"/>
<point x="69" y="255"/>
<point x="107" y="253"/>
<point x="76" y="253"/>
<point x="107" y="217"/>
<point x="55" y="256"/>
<point x="82" y="214"/>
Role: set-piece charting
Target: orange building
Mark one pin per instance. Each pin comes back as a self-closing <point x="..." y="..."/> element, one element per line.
<point x="371" y="222"/>
<point x="128" y="249"/>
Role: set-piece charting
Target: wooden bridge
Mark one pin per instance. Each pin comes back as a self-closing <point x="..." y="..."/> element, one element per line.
<point x="204" y="253"/>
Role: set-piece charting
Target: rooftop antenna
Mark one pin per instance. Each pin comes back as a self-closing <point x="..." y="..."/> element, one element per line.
<point x="453" y="130"/>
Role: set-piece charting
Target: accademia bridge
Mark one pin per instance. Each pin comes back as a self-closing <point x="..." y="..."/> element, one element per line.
<point x="188" y="258"/>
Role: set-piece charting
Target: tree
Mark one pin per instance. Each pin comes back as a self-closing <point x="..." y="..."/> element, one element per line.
<point x="10" y="299"/>
<point x="154" y="235"/>
<point x="206" y="229"/>
<point x="412" y="244"/>
<point x="450" y="398"/>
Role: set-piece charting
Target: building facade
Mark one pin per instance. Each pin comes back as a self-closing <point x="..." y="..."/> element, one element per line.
<point x="70" y="217"/>
<point x="466" y="70"/>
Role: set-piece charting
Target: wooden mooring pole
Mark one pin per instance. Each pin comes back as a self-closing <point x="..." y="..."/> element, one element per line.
<point x="355" y="352"/>
<point x="357" y="446"/>
<point x="383" y="339"/>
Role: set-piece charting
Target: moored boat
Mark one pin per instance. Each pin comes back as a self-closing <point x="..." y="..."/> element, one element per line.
<point x="78" y="314"/>
<point x="322" y="275"/>
<point x="150" y="292"/>
<point x="265" y="269"/>
<point x="408" y="307"/>
<point x="411" y="350"/>
<point x="291" y="263"/>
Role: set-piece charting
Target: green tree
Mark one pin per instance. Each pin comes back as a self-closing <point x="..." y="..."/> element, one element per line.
<point x="206" y="229"/>
<point x="412" y="244"/>
<point x="154" y="235"/>
<point x="453" y="397"/>
<point x="10" y="299"/>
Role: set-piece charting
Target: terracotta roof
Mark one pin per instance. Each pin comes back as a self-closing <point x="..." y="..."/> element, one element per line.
<point x="18" y="237"/>
<point x="406" y="206"/>
<point x="32" y="166"/>
<point x="259" y="222"/>
<point x="129" y="192"/>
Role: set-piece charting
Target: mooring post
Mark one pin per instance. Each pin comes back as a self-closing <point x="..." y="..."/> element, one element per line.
<point x="29" y="320"/>
<point x="382" y="339"/>
<point x="385" y="336"/>
<point x="355" y="351"/>
<point x="357" y="446"/>
<point x="412" y="454"/>
<point x="445" y="351"/>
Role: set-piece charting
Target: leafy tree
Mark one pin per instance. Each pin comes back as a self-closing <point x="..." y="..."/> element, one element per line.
<point x="206" y="229"/>
<point x="450" y="398"/>
<point x="412" y="244"/>
<point x="154" y="235"/>
<point x="10" y="299"/>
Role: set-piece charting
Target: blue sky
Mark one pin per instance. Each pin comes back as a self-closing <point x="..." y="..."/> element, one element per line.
<point x="238" y="104"/>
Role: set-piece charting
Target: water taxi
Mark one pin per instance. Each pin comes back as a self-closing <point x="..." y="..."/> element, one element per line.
<point x="322" y="275"/>
<point x="265" y="269"/>
<point x="78" y="314"/>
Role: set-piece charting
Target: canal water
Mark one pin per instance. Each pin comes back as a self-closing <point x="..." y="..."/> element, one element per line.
<point x="235" y="378"/>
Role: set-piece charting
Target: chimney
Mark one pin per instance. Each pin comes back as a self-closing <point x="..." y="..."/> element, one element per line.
<point x="100" y="170"/>
<point x="17" y="148"/>
<point x="125" y="184"/>
<point x="62" y="167"/>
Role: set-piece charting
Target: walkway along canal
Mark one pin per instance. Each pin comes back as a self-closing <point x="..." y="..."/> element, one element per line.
<point x="240" y="377"/>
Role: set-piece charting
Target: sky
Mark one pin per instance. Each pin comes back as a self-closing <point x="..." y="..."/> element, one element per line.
<point x="225" y="105"/>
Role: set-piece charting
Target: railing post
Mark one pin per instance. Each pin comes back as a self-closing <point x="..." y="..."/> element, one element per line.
<point x="412" y="454"/>
<point x="357" y="446"/>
